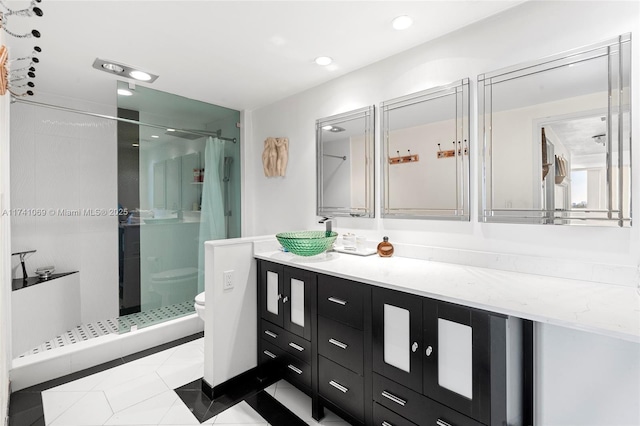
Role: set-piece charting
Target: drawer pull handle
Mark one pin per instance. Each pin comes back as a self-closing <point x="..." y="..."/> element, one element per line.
<point x="269" y="354"/>
<point x="336" y="300"/>
<point x="294" y="369"/>
<point x="296" y="347"/>
<point x="271" y="334"/>
<point x="394" y="398"/>
<point x="440" y="422"/>
<point x="338" y="343"/>
<point x="386" y="423"/>
<point x="339" y="386"/>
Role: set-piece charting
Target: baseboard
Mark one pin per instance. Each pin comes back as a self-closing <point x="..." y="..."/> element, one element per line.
<point x="233" y="383"/>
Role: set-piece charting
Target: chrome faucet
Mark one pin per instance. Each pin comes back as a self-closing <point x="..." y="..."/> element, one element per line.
<point x="327" y="223"/>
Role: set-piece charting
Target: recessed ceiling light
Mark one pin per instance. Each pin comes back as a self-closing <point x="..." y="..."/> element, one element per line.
<point x="124" y="92"/>
<point x="140" y="75"/>
<point x="402" y="22"/>
<point x="323" y="60"/>
<point x="155" y="136"/>
<point x="112" y="67"/>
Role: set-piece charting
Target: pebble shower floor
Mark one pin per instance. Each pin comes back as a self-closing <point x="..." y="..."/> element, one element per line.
<point x="114" y="326"/>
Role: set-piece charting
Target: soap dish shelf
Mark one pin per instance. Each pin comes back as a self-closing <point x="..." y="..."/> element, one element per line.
<point x="363" y="252"/>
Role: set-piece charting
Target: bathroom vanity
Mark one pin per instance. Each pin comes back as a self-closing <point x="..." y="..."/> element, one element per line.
<point x="405" y="341"/>
<point x="382" y="356"/>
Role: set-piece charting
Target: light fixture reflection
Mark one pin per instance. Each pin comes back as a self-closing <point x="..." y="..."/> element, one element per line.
<point x="124" y="92"/>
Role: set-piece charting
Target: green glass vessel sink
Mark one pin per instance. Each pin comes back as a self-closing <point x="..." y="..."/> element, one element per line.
<point x="307" y="243"/>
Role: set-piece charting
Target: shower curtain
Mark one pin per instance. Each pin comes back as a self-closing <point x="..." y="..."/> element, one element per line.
<point x="212" y="220"/>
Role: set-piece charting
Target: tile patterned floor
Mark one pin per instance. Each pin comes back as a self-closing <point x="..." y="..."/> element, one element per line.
<point x="115" y="325"/>
<point x="141" y="392"/>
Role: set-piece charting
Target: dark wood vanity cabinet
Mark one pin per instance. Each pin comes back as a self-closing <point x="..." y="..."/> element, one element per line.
<point x="344" y="347"/>
<point x="286" y="298"/>
<point x="377" y="356"/>
<point x="436" y="362"/>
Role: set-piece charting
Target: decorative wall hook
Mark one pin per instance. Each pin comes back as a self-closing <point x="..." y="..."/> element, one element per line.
<point x="452" y="152"/>
<point x="409" y="158"/>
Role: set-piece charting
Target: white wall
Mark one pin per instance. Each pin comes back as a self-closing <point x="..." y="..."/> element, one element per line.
<point x="524" y="33"/>
<point x="335" y="172"/>
<point x="62" y="160"/>
<point x="586" y="379"/>
<point x="509" y="38"/>
<point x="5" y="255"/>
<point x="231" y="318"/>
<point x="429" y="183"/>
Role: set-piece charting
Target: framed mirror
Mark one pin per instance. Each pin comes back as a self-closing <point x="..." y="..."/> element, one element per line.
<point x="556" y="138"/>
<point x="345" y="166"/>
<point x="425" y="158"/>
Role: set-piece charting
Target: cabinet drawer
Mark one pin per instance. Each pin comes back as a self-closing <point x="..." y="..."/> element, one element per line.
<point x="440" y="415"/>
<point x="416" y="407"/>
<point x="341" y="300"/>
<point x="342" y="387"/>
<point x="340" y="343"/>
<point x="397" y="398"/>
<point x="289" y="342"/>
<point x="384" y="417"/>
<point x="269" y="351"/>
<point x="296" y="371"/>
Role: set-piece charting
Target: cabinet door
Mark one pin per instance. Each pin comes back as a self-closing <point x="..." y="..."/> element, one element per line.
<point x="397" y="337"/>
<point x="456" y="353"/>
<point x="270" y="291"/>
<point x="299" y="290"/>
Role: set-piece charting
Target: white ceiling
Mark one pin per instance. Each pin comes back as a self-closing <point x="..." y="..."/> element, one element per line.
<point x="238" y="54"/>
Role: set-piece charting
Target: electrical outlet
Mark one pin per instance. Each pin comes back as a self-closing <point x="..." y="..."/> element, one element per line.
<point x="227" y="280"/>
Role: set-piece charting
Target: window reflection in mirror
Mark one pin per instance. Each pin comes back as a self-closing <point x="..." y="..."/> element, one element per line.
<point x="425" y="158"/>
<point x="345" y="168"/>
<point x="556" y="139"/>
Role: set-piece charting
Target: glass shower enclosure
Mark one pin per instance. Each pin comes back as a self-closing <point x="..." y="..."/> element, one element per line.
<point x="178" y="186"/>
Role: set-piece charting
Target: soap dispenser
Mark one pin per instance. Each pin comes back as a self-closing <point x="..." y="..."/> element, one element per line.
<point x="385" y="248"/>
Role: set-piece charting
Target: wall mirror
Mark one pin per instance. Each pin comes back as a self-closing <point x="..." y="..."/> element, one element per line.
<point x="345" y="167"/>
<point x="556" y="138"/>
<point x="425" y="158"/>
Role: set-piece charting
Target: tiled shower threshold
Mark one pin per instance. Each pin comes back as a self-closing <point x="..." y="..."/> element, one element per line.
<point x="83" y="354"/>
<point x="122" y="324"/>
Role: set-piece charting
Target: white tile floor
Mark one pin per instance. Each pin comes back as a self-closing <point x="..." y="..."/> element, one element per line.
<point x="141" y="393"/>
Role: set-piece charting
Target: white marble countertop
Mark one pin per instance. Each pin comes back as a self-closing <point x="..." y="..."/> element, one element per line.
<point x="607" y="309"/>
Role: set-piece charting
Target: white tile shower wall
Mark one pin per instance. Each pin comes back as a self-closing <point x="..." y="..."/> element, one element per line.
<point x="65" y="164"/>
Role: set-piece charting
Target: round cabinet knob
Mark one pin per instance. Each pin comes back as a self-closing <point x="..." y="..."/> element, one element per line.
<point x="414" y="347"/>
<point x="285" y="299"/>
<point x="429" y="350"/>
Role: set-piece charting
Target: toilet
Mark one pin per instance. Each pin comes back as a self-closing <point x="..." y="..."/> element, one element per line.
<point x="175" y="285"/>
<point x="199" y="305"/>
